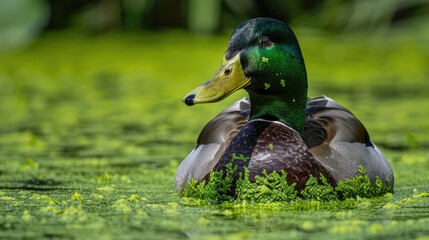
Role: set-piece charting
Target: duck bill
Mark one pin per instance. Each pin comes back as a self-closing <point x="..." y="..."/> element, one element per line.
<point x="228" y="78"/>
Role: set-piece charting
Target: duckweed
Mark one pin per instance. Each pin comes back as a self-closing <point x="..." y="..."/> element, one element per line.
<point x="267" y="85"/>
<point x="101" y="116"/>
<point x="273" y="187"/>
<point x="76" y="197"/>
<point x="240" y="157"/>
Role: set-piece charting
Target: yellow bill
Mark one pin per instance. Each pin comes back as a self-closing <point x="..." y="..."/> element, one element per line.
<point x="227" y="79"/>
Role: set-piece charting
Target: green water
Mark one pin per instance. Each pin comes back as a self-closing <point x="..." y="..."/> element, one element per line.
<point x="92" y="130"/>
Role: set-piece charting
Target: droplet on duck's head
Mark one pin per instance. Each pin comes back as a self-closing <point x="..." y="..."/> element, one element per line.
<point x="267" y="85"/>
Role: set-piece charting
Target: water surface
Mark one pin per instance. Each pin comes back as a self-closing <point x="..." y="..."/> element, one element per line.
<point x="92" y="130"/>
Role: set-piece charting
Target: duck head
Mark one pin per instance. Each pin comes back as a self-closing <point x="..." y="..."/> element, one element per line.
<point x="264" y="58"/>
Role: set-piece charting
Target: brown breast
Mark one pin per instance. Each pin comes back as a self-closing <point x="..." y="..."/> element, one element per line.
<point x="272" y="146"/>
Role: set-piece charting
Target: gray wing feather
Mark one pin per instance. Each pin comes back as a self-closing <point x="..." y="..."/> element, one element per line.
<point x="344" y="143"/>
<point x="213" y="139"/>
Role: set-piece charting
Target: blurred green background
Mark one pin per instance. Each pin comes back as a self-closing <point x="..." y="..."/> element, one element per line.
<point x="23" y="20"/>
<point x="92" y="127"/>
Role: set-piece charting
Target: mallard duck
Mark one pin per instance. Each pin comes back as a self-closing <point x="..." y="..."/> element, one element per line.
<point x="278" y="128"/>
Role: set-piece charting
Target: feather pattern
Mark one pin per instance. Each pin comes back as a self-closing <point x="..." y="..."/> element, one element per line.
<point x="340" y="142"/>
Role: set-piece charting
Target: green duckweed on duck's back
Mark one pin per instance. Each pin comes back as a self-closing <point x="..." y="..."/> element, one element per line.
<point x="278" y="144"/>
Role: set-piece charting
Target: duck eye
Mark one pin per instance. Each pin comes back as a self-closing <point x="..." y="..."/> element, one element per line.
<point x="227" y="72"/>
<point x="265" y="42"/>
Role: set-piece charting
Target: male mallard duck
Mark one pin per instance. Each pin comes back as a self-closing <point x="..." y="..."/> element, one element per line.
<point x="279" y="128"/>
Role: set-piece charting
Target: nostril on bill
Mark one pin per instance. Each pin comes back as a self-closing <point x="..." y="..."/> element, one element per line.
<point x="189" y="100"/>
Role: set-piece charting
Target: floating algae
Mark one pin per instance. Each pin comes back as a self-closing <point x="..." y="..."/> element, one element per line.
<point x="273" y="187"/>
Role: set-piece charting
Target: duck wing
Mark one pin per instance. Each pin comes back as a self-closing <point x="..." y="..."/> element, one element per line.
<point x="212" y="141"/>
<point x="340" y="142"/>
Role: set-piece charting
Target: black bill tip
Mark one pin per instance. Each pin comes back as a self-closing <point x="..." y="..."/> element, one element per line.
<point x="189" y="100"/>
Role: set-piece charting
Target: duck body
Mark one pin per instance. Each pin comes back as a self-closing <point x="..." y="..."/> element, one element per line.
<point x="278" y="129"/>
<point x="335" y="144"/>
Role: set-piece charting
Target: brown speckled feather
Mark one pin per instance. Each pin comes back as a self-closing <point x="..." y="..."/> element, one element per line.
<point x="272" y="146"/>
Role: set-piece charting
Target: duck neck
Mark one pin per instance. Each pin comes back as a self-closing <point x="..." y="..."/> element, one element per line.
<point x="287" y="109"/>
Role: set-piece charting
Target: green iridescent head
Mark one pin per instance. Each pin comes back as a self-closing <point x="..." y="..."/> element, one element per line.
<point x="270" y="56"/>
<point x="264" y="58"/>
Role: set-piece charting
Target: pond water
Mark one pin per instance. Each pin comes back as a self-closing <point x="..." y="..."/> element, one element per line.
<point x="92" y="130"/>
